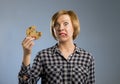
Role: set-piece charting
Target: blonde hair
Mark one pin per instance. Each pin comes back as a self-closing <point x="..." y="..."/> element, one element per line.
<point x="73" y="17"/>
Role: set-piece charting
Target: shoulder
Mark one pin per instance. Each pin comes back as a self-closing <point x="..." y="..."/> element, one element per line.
<point x="44" y="53"/>
<point x="85" y="54"/>
<point x="47" y="50"/>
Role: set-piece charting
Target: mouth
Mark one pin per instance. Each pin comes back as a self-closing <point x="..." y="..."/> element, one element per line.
<point x="62" y="34"/>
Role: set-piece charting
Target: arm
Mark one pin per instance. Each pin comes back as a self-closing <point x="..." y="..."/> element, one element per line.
<point x="30" y="75"/>
<point x="27" y="45"/>
<point x="91" y="77"/>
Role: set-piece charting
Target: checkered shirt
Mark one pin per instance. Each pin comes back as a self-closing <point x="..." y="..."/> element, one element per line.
<point x="50" y="65"/>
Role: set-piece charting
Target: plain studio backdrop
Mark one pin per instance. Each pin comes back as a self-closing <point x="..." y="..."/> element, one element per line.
<point x="100" y="33"/>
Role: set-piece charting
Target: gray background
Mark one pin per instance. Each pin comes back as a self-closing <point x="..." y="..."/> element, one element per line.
<point x="100" y="31"/>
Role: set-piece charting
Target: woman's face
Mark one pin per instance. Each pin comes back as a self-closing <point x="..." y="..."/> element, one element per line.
<point x="63" y="29"/>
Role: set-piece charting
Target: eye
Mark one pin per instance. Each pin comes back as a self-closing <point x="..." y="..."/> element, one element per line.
<point x="66" y="23"/>
<point x="56" y="25"/>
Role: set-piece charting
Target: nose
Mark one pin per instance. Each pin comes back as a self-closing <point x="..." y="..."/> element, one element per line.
<point x="61" y="27"/>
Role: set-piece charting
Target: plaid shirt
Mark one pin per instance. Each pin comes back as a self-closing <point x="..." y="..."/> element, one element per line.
<point x="53" y="68"/>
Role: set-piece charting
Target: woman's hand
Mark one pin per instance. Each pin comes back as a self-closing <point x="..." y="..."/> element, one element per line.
<point x="27" y="45"/>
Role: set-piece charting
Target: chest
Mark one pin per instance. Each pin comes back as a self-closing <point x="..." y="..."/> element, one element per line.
<point x="69" y="62"/>
<point x="60" y="69"/>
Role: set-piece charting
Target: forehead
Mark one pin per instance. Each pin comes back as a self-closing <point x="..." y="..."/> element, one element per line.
<point x="63" y="18"/>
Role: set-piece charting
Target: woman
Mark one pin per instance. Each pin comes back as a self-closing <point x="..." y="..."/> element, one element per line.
<point x="63" y="63"/>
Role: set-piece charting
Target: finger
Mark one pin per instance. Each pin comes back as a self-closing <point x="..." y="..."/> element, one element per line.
<point x="31" y="45"/>
<point x="28" y="43"/>
<point x="27" y="40"/>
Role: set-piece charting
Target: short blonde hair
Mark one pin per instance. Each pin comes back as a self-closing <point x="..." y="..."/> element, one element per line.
<point x="73" y="17"/>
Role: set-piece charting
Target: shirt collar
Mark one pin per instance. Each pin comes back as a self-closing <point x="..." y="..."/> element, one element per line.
<point x="55" y="48"/>
<point x="77" y="49"/>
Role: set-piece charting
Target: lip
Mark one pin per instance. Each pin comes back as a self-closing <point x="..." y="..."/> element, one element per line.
<point x="62" y="33"/>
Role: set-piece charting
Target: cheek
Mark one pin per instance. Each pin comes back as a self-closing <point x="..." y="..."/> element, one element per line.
<point x="71" y="31"/>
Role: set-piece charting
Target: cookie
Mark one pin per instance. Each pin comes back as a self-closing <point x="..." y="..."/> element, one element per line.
<point x="31" y="31"/>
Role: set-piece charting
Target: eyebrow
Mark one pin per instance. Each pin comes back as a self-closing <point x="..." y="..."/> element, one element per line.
<point x="65" y="20"/>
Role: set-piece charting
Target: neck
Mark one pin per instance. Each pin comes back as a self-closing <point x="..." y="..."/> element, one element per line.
<point x="66" y="46"/>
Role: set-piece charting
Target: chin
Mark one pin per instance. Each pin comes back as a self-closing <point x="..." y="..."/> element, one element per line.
<point x="63" y="40"/>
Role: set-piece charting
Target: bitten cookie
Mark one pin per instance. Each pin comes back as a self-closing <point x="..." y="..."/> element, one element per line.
<point x="31" y="31"/>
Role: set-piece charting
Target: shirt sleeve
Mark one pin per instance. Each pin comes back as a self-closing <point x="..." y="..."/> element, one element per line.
<point x="32" y="73"/>
<point x="91" y="77"/>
